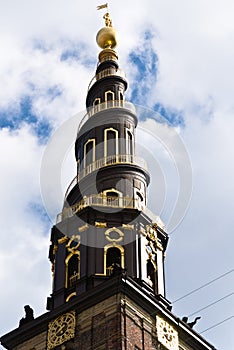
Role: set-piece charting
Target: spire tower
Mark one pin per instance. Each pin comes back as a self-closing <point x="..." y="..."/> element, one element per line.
<point x="106" y="200"/>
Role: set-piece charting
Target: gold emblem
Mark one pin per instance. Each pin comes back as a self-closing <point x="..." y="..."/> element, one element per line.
<point x="70" y="245"/>
<point x="61" y="330"/>
<point x="114" y="235"/>
<point x="167" y="334"/>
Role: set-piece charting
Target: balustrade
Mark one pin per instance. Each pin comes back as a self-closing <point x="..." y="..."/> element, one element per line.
<point x="103" y="162"/>
<point x="100" y="200"/>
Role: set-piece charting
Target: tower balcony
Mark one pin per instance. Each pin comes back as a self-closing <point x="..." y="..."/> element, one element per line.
<point x="109" y="72"/>
<point x="100" y="200"/>
<point x="106" y="106"/>
<point x="104" y="162"/>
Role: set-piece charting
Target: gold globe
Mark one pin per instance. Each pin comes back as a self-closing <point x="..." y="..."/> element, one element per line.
<point x="106" y="38"/>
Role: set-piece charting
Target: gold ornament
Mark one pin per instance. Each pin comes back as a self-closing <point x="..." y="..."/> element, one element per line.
<point x="61" y="330"/>
<point x="167" y="334"/>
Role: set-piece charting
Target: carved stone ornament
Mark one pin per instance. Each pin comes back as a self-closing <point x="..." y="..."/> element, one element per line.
<point x="167" y="334"/>
<point x="61" y="330"/>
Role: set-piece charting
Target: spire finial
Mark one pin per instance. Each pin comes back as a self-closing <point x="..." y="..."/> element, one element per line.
<point x="106" y="37"/>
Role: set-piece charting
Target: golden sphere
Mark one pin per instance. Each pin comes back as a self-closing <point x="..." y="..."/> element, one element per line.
<point x="106" y="37"/>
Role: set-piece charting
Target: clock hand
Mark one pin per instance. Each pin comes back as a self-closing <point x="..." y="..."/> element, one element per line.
<point x="61" y="329"/>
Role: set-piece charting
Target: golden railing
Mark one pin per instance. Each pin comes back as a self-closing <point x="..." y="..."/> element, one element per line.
<point x="74" y="278"/>
<point x="107" y="161"/>
<point x="107" y="73"/>
<point x="109" y="270"/>
<point x="100" y="201"/>
<point x="106" y="105"/>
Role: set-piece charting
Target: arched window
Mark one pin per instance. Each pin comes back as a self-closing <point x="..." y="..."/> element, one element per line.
<point x="72" y="269"/>
<point x="109" y="96"/>
<point x="121" y="99"/>
<point x="112" y="194"/>
<point x="113" y="258"/>
<point x="113" y="197"/>
<point x="97" y="101"/>
<point x="151" y="274"/>
<point x="110" y="143"/>
<point x="140" y="196"/>
<point x="96" y="104"/>
<point x="139" y="200"/>
<point x="129" y="144"/>
<point x="89" y="152"/>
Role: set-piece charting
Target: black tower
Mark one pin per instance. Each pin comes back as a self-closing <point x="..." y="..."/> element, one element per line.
<point x="104" y="214"/>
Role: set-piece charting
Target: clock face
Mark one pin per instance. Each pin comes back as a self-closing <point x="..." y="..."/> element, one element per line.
<point x="167" y="334"/>
<point x="61" y="329"/>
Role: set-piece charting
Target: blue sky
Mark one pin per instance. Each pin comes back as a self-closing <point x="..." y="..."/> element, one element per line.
<point x="179" y="63"/>
<point x="13" y="118"/>
<point x="144" y="61"/>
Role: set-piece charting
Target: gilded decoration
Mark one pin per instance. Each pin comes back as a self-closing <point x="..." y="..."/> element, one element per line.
<point x="83" y="228"/>
<point x="100" y="224"/>
<point x="55" y="248"/>
<point x="128" y="227"/>
<point x="116" y="232"/>
<point x="70" y="296"/>
<point x="61" y="330"/>
<point x="151" y="247"/>
<point x="76" y="239"/>
<point x="63" y="240"/>
<point x="152" y="235"/>
<point x="167" y="335"/>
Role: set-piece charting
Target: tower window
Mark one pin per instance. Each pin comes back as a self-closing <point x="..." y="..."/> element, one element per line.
<point x="96" y="105"/>
<point x="112" y="194"/>
<point x="110" y="142"/>
<point x="89" y="152"/>
<point x="113" y="255"/>
<point x="129" y="143"/>
<point x="113" y="258"/>
<point x="151" y="274"/>
<point x="139" y="195"/>
<point x="97" y="101"/>
<point x="113" y="197"/>
<point x="72" y="269"/>
<point x="109" y="96"/>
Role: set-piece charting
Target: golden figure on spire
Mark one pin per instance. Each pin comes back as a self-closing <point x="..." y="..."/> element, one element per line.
<point x="106" y="37"/>
<point x="108" y="20"/>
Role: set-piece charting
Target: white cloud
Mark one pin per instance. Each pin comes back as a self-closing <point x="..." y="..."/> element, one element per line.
<point x="24" y="245"/>
<point x="195" y="54"/>
<point x="40" y="74"/>
<point x="201" y="248"/>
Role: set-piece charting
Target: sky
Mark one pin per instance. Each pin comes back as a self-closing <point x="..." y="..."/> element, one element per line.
<point x="179" y="61"/>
